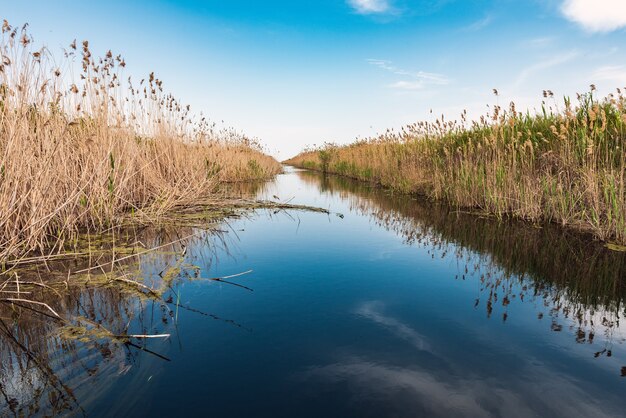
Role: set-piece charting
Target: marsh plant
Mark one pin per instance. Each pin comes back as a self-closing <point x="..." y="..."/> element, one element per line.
<point x="564" y="164"/>
<point x="65" y="332"/>
<point x="83" y="146"/>
<point x="326" y="154"/>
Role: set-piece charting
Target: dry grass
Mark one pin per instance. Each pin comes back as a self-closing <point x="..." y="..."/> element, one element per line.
<point x="565" y="164"/>
<point x="83" y="152"/>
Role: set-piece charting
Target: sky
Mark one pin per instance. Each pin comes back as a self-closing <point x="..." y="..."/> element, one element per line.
<point x="295" y="73"/>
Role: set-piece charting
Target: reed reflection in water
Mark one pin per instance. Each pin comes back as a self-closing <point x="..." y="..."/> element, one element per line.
<point x="577" y="285"/>
<point x="53" y="365"/>
<point x="401" y="307"/>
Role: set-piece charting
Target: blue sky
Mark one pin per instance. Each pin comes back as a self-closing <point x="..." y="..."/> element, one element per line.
<point x="296" y="73"/>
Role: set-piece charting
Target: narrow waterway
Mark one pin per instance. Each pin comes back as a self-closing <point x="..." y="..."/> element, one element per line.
<point x="388" y="307"/>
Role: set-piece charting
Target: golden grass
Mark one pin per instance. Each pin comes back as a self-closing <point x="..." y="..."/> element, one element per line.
<point x="85" y="152"/>
<point x="565" y="164"/>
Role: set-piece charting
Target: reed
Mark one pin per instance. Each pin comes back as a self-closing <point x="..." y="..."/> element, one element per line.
<point x="83" y="147"/>
<point x="564" y="164"/>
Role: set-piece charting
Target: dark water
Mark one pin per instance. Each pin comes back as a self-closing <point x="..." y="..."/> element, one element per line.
<point x="398" y="308"/>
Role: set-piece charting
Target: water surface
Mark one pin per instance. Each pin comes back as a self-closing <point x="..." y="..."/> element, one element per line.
<point x="390" y="306"/>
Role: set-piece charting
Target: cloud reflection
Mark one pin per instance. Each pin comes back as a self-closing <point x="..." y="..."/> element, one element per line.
<point x="442" y="387"/>
<point x="373" y="310"/>
<point x="413" y="392"/>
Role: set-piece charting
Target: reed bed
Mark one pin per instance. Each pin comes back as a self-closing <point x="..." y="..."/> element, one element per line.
<point x="563" y="164"/>
<point x="84" y="147"/>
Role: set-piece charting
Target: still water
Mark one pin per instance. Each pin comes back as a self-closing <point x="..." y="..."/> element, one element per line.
<point x="388" y="307"/>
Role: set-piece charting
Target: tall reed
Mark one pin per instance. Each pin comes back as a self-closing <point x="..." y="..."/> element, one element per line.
<point x="82" y="146"/>
<point x="564" y="164"/>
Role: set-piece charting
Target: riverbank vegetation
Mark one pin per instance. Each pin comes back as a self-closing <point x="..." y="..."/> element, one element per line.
<point x="564" y="164"/>
<point x="84" y="147"/>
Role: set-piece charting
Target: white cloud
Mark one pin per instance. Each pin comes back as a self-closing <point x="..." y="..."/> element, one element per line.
<point x="541" y="42"/>
<point x="407" y="85"/>
<point x="370" y="6"/>
<point x="544" y="65"/>
<point x="384" y="64"/>
<point x="615" y="74"/>
<point x="596" y="15"/>
<point x="417" y="79"/>
<point x="479" y="24"/>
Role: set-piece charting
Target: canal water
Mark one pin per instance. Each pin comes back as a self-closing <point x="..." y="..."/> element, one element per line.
<point x="390" y="306"/>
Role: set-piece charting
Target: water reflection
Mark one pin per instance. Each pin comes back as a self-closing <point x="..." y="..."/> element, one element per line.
<point x="572" y="284"/>
<point x="576" y="284"/>
<point x="373" y="310"/>
<point x="410" y="391"/>
<point x="47" y="360"/>
<point x="401" y="308"/>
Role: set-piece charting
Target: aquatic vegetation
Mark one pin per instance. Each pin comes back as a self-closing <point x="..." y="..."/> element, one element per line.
<point x="565" y="164"/>
<point x="84" y="147"/>
<point x="93" y="324"/>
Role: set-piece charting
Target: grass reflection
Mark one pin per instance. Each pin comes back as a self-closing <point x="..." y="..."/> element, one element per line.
<point x="576" y="284"/>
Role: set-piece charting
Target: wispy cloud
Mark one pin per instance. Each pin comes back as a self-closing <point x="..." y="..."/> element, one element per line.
<point x="415" y="391"/>
<point x="615" y="74"/>
<point x="540" y="42"/>
<point x="596" y="15"/>
<point x="417" y="80"/>
<point x="373" y="311"/>
<point x="408" y="85"/>
<point x="479" y="24"/>
<point x="544" y="65"/>
<point x="370" y="6"/>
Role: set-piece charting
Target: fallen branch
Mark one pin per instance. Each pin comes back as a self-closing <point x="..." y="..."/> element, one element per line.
<point x="142" y="336"/>
<point x="32" y="301"/>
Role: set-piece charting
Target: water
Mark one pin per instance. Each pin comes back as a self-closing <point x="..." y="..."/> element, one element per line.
<point x="390" y="306"/>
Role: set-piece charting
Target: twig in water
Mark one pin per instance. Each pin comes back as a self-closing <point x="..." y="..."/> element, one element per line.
<point x="221" y="279"/>
<point x="143" y="336"/>
<point x="217" y="279"/>
<point x="32" y="301"/>
<point x="236" y="275"/>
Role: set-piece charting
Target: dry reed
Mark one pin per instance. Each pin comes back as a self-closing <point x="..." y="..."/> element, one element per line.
<point x="85" y="152"/>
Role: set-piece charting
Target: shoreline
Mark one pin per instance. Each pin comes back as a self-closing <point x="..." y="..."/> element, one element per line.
<point x="584" y="233"/>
